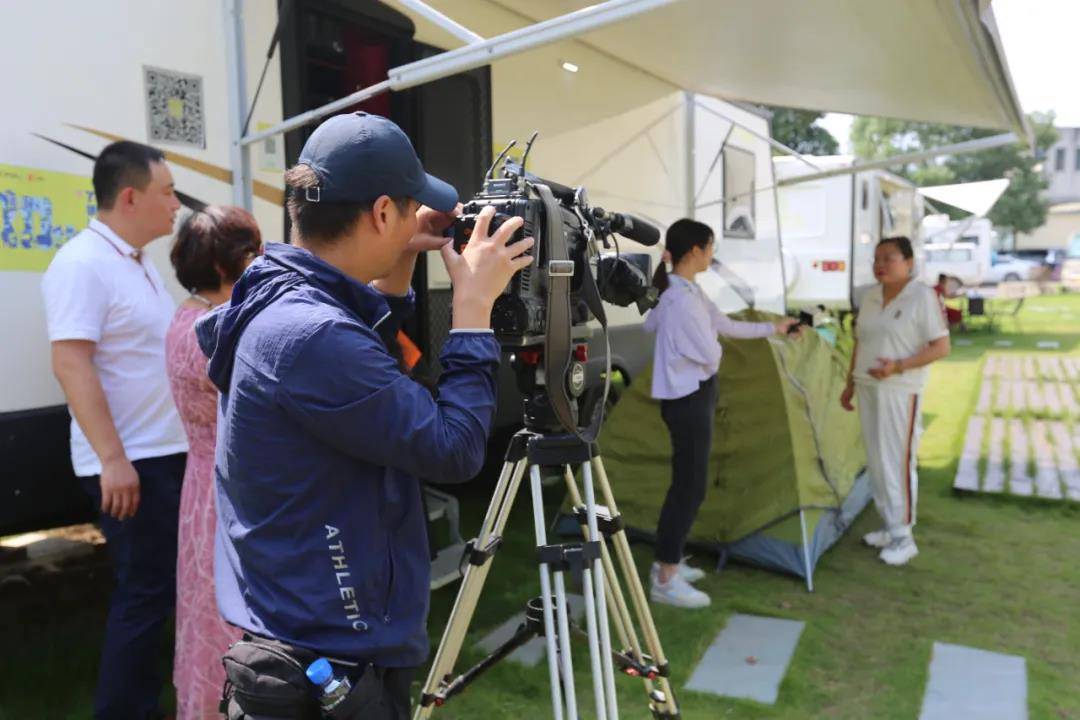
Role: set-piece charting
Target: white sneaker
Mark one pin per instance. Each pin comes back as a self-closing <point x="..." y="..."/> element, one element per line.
<point x="899" y="552"/>
<point x="880" y="539"/>
<point x="689" y="573"/>
<point x="677" y="592"/>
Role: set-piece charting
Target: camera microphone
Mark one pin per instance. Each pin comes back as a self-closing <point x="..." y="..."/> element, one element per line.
<point x="630" y="227"/>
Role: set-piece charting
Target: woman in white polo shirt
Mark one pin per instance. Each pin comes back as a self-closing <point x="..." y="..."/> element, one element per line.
<point x="900" y="329"/>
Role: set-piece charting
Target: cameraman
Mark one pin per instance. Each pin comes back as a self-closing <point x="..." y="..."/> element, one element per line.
<point x="322" y="545"/>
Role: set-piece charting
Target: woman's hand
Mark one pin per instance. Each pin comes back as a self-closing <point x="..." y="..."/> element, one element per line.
<point x="886" y="368"/>
<point x="785" y="325"/>
<point x="847" y="396"/>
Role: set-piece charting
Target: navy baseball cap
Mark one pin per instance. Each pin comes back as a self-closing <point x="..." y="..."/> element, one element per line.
<point x="359" y="157"/>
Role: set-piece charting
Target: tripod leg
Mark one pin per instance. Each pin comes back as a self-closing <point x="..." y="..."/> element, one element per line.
<point x="561" y="656"/>
<point x="622" y="619"/>
<point x="589" y="578"/>
<point x="457" y="626"/>
<point x="637" y="590"/>
<point x="608" y="672"/>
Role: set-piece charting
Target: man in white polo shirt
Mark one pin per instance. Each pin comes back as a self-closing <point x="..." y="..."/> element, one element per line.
<point x="107" y="311"/>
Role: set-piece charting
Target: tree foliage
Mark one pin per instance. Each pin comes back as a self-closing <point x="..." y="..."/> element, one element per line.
<point x="1020" y="208"/>
<point x="797" y="130"/>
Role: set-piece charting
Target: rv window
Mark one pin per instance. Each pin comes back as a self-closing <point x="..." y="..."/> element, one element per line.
<point x="885" y="215"/>
<point x="973" y="239"/>
<point x="1074" y="247"/>
<point x="739" y="193"/>
<point x="865" y="201"/>
<point x="1059" y="160"/>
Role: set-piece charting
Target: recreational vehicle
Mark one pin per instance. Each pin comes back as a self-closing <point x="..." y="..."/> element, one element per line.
<point x="830" y="226"/>
<point x="623" y="93"/>
<point x="172" y="94"/>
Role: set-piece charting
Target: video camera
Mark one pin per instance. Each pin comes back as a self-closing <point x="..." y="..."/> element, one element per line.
<point x="543" y="313"/>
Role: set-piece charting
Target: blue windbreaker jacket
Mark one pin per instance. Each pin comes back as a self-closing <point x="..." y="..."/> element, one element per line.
<point x="322" y="442"/>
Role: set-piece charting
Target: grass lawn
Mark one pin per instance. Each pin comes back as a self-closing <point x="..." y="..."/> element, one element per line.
<point x="998" y="573"/>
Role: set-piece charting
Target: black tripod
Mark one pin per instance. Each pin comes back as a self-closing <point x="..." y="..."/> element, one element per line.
<point x="547" y="615"/>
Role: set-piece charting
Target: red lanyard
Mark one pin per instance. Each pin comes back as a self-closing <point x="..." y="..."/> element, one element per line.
<point x="135" y="255"/>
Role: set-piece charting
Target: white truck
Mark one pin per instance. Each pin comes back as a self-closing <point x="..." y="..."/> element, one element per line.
<point x="960" y="248"/>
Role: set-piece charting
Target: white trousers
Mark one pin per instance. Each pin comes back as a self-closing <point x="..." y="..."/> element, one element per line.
<point x="891" y="428"/>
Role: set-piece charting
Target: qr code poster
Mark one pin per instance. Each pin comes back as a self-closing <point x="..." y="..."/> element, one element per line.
<point x="174" y="107"/>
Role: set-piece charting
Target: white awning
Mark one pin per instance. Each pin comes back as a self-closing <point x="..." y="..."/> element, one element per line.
<point x="976" y="198"/>
<point x="927" y="60"/>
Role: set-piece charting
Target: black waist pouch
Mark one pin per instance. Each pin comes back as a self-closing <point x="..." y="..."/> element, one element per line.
<point x="265" y="679"/>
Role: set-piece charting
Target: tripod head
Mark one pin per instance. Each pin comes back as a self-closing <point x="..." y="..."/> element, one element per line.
<point x="539" y="415"/>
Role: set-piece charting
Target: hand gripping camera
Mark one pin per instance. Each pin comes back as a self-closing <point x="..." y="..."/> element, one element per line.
<point x="544" y="310"/>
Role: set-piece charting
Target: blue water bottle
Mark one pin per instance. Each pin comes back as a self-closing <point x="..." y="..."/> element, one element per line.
<point x="332" y="690"/>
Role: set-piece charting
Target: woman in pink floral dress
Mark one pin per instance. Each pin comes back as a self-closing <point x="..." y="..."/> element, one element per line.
<point x="211" y="251"/>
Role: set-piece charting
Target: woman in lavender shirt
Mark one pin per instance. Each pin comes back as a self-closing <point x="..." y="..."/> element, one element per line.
<point x="686" y="360"/>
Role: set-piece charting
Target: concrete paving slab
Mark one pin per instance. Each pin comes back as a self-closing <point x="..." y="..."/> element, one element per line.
<point x="1018" y="400"/>
<point x="1020" y="482"/>
<point x="1068" y="399"/>
<point x="1065" y="453"/>
<point x="1047" y="484"/>
<point x="1051" y="398"/>
<point x="1072" y="368"/>
<point x="1034" y="396"/>
<point x="748" y="659"/>
<point x="531" y="653"/>
<point x="994" y="481"/>
<point x="967" y="683"/>
<point x="985" y="392"/>
<point x="967" y="472"/>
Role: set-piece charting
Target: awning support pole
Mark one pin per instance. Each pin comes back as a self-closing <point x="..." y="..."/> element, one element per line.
<point x="691" y="149"/>
<point x="449" y="25"/>
<point x="239" y="152"/>
<point x="967" y="146"/>
<point x="475" y="55"/>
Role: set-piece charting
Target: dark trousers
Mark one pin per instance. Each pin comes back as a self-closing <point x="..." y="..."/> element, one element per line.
<point x="690" y="422"/>
<point x="396" y="684"/>
<point x="143" y="553"/>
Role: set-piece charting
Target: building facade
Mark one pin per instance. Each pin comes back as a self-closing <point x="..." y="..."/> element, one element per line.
<point x="1062" y="167"/>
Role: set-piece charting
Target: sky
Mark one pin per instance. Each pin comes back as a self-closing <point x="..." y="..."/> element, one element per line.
<point x="1041" y="39"/>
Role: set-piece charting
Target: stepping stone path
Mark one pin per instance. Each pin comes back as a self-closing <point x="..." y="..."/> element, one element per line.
<point x="748" y="658"/>
<point x="966" y="683"/>
<point x="994" y="480"/>
<point x="1024" y="437"/>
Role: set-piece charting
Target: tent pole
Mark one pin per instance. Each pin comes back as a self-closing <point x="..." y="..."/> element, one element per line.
<point x="690" y="144"/>
<point x="806" y="553"/>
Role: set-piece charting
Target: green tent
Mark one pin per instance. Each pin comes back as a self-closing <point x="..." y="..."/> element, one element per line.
<point x="786" y="471"/>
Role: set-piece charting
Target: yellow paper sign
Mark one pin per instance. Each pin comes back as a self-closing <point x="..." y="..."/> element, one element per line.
<point x="40" y="210"/>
